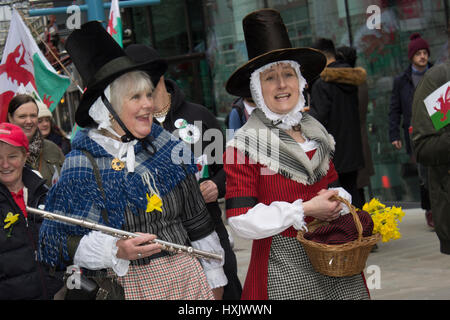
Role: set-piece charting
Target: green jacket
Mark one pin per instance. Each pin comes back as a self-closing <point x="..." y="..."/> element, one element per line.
<point x="432" y="149"/>
<point x="51" y="157"/>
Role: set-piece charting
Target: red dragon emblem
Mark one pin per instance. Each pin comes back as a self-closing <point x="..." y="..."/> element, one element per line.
<point x="110" y="27"/>
<point x="15" y="71"/>
<point x="444" y="102"/>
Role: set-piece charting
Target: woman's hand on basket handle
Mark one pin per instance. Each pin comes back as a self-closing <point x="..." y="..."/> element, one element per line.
<point x="321" y="207"/>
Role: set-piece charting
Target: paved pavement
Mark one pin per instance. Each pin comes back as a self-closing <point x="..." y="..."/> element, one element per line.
<point x="410" y="268"/>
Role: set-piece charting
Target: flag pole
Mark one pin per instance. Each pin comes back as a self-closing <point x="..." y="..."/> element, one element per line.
<point x="49" y="49"/>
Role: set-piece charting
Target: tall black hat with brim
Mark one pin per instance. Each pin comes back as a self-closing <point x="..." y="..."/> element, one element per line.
<point x="140" y="53"/>
<point x="267" y="41"/>
<point x="100" y="60"/>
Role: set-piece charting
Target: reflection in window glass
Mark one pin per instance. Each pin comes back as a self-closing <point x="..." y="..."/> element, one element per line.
<point x="382" y="52"/>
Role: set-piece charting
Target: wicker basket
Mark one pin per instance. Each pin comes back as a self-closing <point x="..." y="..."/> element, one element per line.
<point x="339" y="260"/>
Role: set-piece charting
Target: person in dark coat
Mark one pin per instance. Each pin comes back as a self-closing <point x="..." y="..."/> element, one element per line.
<point x="432" y="149"/>
<point x="348" y="54"/>
<point x="334" y="102"/>
<point x="22" y="277"/>
<point x="241" y="109"/>
<point x="401" y="108"/>
<point x="192" y="122"/>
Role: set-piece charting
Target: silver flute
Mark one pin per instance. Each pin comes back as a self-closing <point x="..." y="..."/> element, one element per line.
<point x="122" y="234"/>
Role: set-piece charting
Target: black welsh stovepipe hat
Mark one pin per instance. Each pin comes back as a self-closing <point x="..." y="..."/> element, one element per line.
<point x="267" y="41"/>
<point x="100" y="60"/>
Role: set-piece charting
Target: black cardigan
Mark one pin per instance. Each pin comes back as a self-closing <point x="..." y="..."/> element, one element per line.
<point x="194" y="114"/>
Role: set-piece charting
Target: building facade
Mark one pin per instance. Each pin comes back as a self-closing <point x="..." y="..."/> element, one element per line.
<point x="204" y="43"/>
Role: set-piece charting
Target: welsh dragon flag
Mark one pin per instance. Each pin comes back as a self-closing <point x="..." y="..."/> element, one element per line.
<point x="438" y="105"/>
<point x="115" y="22"/>
<point x="202" y="167"/>
<point x="24" y="66"/>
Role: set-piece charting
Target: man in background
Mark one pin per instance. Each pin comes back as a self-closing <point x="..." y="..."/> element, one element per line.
<point x="401" y="108"/>
<point x="334" y="102"/>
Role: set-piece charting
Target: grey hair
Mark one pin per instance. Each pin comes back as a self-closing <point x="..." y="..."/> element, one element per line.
<point x="129" y="84"/>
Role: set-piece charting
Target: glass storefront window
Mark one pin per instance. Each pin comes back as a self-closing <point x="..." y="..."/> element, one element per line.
<point x="383" y="53"/>
<point x="304" y="19"/>
<point x="64" y="114"/>
<point x="175" y="28"/>
<point x="225" y="44"/>
<point x="168" y="25"/>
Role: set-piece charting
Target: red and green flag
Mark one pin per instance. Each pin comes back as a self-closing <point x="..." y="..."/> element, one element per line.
<point x="115" y="23"/>
<point x="438" y="106"/>
<point x="202" y="167"/>
<point x="24" y="68"/>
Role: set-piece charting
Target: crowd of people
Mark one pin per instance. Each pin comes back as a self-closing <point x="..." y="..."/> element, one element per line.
<point x="307" y="106"/>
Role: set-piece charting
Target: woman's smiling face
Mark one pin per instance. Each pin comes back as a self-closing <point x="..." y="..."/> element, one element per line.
<point x="26" y="117"/>
<point x="12" y="160"/>
<point x="137" y="113"/>
<point x="280" y="88"/>
<point x="131" y="95"/>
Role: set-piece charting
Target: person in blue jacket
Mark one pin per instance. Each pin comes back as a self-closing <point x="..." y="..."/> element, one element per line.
<point x="241" y="110"/>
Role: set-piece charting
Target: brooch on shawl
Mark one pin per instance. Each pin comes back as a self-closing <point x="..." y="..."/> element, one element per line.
<point x="154" y="201"/>
<point x="189" y="133"/>
<point x="117" y="164"/>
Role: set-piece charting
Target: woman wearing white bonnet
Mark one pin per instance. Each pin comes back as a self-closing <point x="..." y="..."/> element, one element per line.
<point x="280" y="173"/>
<point x="120" y="173"/>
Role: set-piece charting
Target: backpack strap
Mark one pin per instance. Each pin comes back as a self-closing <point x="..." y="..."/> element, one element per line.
<point x="238" y="104"/>
<point x="98" y="179"/>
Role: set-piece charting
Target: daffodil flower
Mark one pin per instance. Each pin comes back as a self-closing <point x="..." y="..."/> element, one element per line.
<point x="9" y="221"/>
<point x="385" y="219"/>
<point x="153" y="203"/>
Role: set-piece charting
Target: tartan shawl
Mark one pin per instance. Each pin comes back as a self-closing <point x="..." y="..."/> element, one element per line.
<point x="77" y="195"/>
<point x="261" y="141"/>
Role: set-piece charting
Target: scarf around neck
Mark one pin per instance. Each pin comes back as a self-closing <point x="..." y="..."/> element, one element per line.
<point x="35" y="148"/>
<point x="265" y="144"/>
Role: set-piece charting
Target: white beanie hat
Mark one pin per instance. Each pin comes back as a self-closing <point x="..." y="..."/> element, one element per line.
<point x="43" y="110"/>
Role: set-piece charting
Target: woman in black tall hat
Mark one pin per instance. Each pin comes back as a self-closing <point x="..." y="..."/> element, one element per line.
<point x="126" y="173"/>
<point x="279" y="168"/>
<point x="193" y="123"/>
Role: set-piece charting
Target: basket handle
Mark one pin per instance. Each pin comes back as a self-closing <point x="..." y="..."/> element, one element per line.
<point x="354" y="214"/>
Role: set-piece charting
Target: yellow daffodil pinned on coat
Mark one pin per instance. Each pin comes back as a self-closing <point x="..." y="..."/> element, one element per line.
<point x="153" y="203"/>
<point x="10" y="220"/>
<point x="385" y="219"/>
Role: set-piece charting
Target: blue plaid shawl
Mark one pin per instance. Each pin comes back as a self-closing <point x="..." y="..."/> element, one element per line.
<point x="77" y="195"/>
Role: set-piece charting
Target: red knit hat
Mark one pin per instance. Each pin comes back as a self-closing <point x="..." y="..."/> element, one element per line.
<point x="416" y="43"/>
<point x="13" y="135"/>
